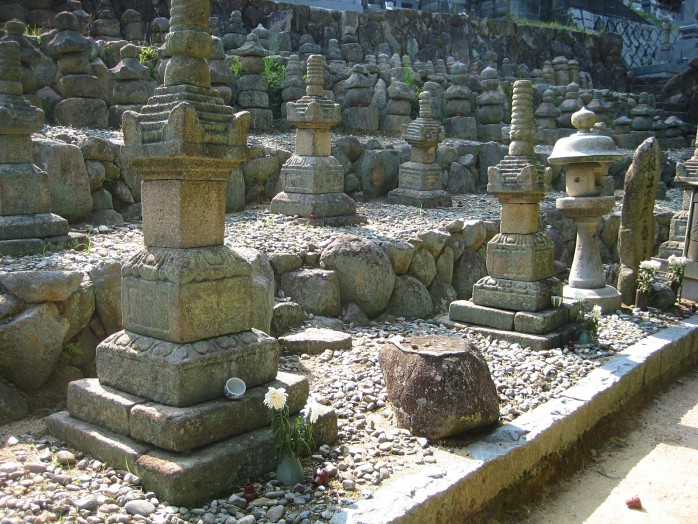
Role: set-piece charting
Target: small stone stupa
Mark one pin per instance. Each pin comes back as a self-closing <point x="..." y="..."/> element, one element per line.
<point x="26" y="221"/>
<point x="190" y="304"/>
<point x="419" y="182"/>
<point x="312" y="179"/>
<point x="514" y="302"/>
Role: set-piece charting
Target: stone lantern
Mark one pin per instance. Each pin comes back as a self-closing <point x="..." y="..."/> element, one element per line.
<point x="587" y="156"/>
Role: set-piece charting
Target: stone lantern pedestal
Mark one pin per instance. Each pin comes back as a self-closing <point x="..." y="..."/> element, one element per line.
<point x="587" y="156"/>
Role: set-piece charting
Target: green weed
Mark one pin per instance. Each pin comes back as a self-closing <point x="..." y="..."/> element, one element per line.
<point x="149" y="58"/>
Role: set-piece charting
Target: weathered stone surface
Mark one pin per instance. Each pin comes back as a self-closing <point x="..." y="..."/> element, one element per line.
<point x="9" y="305"/>
<point x="68" y="181"/>
<point x="107" y="289"/>
<point x="316" y="290"/>
<point x="410" y="299"/>
<point x="285" y="262"/>
<point x="41" y="286"/>
<point x="185" y="374"/>
<point x="378" y="171"/>
<point x="470" y="313"/>
<point x="364" y="270"/>
<point x="423" y="266"/>
<point x="96" y="403"/>
<point x="474" y="234"/>
<point x="286" y="316"/>
<point x="32" y="343"/>
<point x="400" y="254"/>
<point x="314" y="341"/>
<point x="14" y="404"/>
<point x="438" y="386"/>
<point x="79" y="306"/>
<point x="467" y="271"/>
<point x="444" y="265"/>
<point x="442" y="294"/>
<point x="636" y="238"/>
<point x="263" y="287"/>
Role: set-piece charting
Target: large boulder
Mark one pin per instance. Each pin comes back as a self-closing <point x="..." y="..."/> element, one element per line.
<point x="107" y="289"/>
<point x="263" y="287"/>
<point x="316" y="290"/>
<point x="378" y="171"/>
<point x="466" y="272"/>
<point x="31" y="346"/>
<point x="42" y="286"/>
<point x="14" y="404"/>
<point x="438" y="386"/>
<point x="68" y="180"/>
<point x="410" y="299"/>
<point x="364" y="270"/>
<point x="636" y="237"/>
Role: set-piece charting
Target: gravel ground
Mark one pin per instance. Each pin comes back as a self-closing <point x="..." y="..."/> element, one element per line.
<point x="41" y="480"/>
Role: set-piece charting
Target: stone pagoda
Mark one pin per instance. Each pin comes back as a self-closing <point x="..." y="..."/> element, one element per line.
<point x="312" y="179"/>
<point x="419" y="182"/>
<point x="587" y="156"/>
<point x="514" y="302"/>
<point x="189" y="303"/>
<point x="26" y="221"/>
<point x="687" y="176"/>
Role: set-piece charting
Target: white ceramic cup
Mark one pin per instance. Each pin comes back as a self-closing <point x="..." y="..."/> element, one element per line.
<point x="234" y="388"/>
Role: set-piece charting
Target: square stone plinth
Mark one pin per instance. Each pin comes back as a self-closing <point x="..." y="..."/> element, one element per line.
<point x="179" y="429"/>
<point x="466" y="311"/>
<point x="312" y="175"/>
<point x="423" y="199"/>
<point x="39" y="225"/>
<point x="24" y="189"/>
<point x="184" y="295"/>
<point x="419" y="177"/>
<point x="520" y="257"/>
<point x="185" y="479"/>
<point x="183" y="213"/>
<point x="516" y="295"/>
<point x="327" y="205"/>
<point x="185" y="374"/>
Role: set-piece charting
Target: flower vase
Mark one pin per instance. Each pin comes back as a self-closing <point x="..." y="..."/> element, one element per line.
<point x="585" y="336"/>
<point x="676" y="288"/>
<point x="290" y="470"/>
<point x="641" y="300"/>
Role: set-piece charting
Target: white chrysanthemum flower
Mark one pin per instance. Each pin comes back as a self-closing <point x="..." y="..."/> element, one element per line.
<point x="596" y="311"/>
<point x="652" y="265"/>
<point x="310" y="412"/>
<point x="675" y="261"/>
<point x="275" y="398"/>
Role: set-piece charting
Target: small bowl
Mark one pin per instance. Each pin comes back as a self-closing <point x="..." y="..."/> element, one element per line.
<point x="234" y="388"/>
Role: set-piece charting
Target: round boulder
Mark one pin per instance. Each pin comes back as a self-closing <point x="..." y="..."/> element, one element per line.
<point x="364" y="270"/>
<point x="438" y="386"/>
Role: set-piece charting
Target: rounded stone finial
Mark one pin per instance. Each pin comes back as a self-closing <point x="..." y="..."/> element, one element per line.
<point x="583" y="119"/>
<point x="489" y="73"/>
<point x="424" y="104"/>
<point x="67" y="21"/>
<point x="15" y="27"/>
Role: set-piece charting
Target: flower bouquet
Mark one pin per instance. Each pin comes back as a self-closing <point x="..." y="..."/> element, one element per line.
<point x="646" y="275"/>
<point x="677" y="268"/>
<point x="292" y="440"/>
<point x="590" y="321"/>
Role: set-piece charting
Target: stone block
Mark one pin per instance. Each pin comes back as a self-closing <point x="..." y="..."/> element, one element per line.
<point x="182" y="429"/>
<point x="15" y="229"/>
<point x="363" y="119"/>
<point x="314" y="341"/>
<point x="467" y="311"/>
<point x="92" y="402"/>
<point x="422" y="199"/>
<point x="528" y="258"/>
<point x="326" y="205"/>
<point x="312" y="175"/>
<point x="516" y="295"/>
<point x="542" y="321"/>
<point x="463" y="127"/>
<point x="24" y="190"/>
<point x="91" y="113"/>
<point x="490" y="132"/>
<point x="316" y="290"/>
<point x="183" y="213"/>
<point x="419" y="176"/>
<point x="185" y="374"/>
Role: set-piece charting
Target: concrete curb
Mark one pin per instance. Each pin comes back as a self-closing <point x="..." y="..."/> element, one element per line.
<point x="479" y="472"/>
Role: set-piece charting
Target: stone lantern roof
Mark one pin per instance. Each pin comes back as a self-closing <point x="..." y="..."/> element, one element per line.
<point x="584" y="145"/>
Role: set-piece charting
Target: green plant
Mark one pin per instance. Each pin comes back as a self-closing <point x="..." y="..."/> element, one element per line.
<point x="646" y="274"/>
<point x="590" y="316"/>
<point x="677" y="268"/>
<point x="293" y="439"/>
<point x="275" y="73"/>
<point x="149" y="57"/>
<point x="235" y="65"/>
<point x="34" y="31"/>
<point x="408" y="74"/>
<point x="70" y="350"/>
<point x="86" y="245"/>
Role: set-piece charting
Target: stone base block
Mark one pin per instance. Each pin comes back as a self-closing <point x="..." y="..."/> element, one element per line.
<point x="526" y="257"/>
<point x="466" y="311"/>
<point x="32" y="246"/>
<point x="516" y="295"/>
<point x="185" y="295"/>
<point x="24" y="189"/>
<point x="490" y="132"/>
<point x="607" y="297"/>
<point x="82" y="112"/>
<point x="424" y="199"/>
<point x="39" y="225"/>
<point x="537" y="342"/>
<point x="464" y="127"/>
<point x="538" y="323"/>
<point x="116" y="112"/>
<point x="179" y="429"/>
<point x="417" y="176"/>
<point x="189" y="478"/>
<point x="325" y="205"/>
<point x="671" y="247"/>
<point x="312" y="175"/>
<point x="185" y="374"/>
